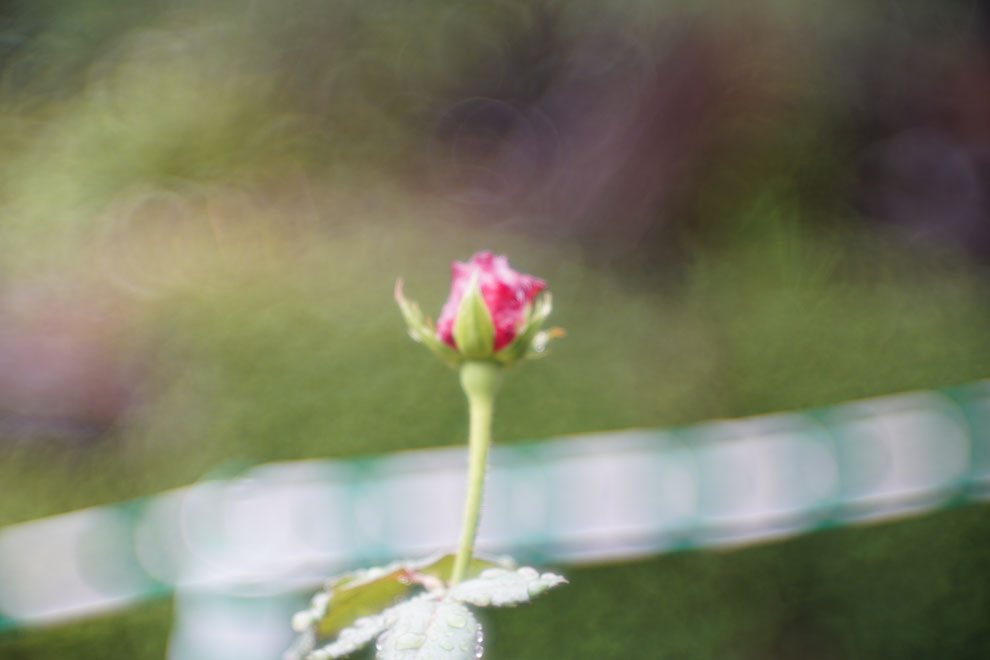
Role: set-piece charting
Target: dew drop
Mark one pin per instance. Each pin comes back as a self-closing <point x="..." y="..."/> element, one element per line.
<point x="479" y="648"/>
<point x="446" y="646"/>
<point x="302" y="620"/>
<point x="409" y="641"/>
<point x="456" y="621"/>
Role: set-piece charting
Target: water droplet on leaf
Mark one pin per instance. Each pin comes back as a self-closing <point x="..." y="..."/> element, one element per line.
<point x="409" y="641"/>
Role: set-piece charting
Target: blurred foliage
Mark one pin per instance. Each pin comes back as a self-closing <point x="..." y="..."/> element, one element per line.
<point x="224" y="193"/>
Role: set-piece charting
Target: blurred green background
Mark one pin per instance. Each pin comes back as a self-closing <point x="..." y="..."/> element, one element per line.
<point x="205" y="206"/>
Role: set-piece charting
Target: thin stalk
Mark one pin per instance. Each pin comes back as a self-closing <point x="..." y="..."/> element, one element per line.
<point x="479" y="379"/>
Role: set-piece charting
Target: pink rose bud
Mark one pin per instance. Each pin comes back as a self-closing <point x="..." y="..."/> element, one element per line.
<point x="506" y="295"/>
<point x="492" y="313"/>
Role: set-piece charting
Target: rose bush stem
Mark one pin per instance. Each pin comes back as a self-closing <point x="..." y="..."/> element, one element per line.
<point x="479" y="379"/>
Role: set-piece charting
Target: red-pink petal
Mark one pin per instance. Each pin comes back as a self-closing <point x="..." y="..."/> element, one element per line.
<point x="505" y="292"/>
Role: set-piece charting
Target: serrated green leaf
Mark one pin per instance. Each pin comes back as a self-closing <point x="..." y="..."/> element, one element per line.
<point x="357" y="596"/>
<point x="353" y="637"/>
<point x="369" y="592"/>
<point x="425" y="628"/>
<point x="302" y="646"/>
<point x="442" y="567"/>
<point x="498" y="587"/>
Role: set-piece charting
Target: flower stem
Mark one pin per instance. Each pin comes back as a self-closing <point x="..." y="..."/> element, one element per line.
<point x="479" y="379"/>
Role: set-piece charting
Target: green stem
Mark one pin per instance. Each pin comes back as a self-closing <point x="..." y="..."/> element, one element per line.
<point x="479" y="378"/>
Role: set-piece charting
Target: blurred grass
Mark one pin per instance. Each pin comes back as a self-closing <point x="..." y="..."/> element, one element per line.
<point x="220" y="184"/>
<point x="308" y="358"/>
<point x="138" y="633"/>
<point x="854" y="593"/>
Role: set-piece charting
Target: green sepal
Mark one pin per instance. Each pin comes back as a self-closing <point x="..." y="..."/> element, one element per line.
<point x="474" y="330"/>
<point x="421" y="329"/>
<point x="530" y="340"/>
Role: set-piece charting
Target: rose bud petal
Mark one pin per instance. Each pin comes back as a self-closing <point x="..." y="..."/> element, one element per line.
<point x="507" y="295"/>
<point x="491" y="313"/>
